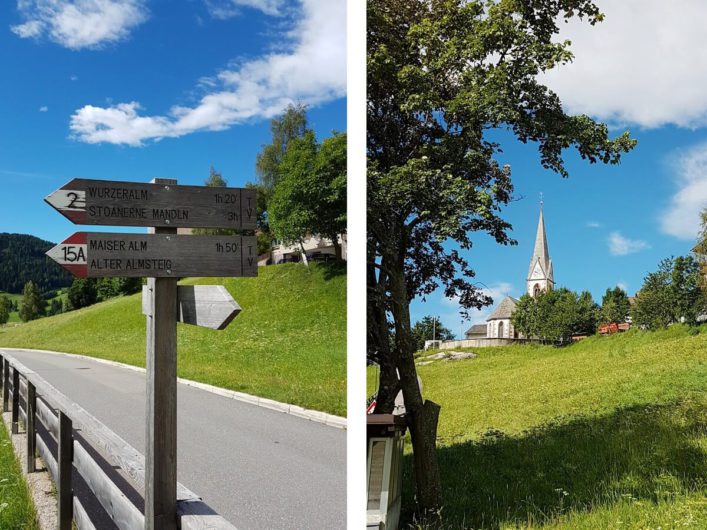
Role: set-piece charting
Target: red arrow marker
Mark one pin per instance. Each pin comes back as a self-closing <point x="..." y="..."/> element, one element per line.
<point x="72" y="254"/>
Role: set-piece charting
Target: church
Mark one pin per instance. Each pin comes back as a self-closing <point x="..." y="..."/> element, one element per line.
<point x="540" y="278"/>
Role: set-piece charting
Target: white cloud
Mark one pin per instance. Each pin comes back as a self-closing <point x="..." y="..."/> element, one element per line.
<point x="74" y="78"/>
<point x="593" y="224"/>
<point x="312" y="72"/>
<point x="43" y="108"/>
<point x="78" y="24"/>
<point x="645" y="64"/>
<point x="681" y="218"/>
<point x="224" y="9"/>
<point x="621" y="246"/>
<point x="623" y="286"/>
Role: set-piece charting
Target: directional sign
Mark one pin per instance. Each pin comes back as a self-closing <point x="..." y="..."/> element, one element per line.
<point x="106" y="202"/>
<point x="100" y="255"/>
<point x="208" y="306"/>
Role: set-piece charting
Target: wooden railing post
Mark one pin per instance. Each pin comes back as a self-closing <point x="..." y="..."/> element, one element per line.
<point x="65" y="456"/>
<point x="31" y="400"/>
<point x="15" y="400"/>
<point x="5" y="385"/>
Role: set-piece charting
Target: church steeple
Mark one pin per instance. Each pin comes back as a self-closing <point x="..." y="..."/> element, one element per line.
<point x="540" y="273"/>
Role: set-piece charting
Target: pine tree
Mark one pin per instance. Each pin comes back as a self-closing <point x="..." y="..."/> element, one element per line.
<point x="33" y="305"/>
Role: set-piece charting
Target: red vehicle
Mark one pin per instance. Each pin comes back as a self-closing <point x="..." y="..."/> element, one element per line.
<point x="610" y="329"/>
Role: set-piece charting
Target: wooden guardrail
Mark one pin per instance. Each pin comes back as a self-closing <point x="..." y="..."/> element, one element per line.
<point x="32" y="399"/>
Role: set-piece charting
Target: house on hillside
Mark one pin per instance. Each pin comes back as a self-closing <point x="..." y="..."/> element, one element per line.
<point x="318" y="248"/>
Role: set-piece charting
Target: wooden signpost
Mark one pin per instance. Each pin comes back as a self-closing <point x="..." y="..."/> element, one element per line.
<point x="159" y="204"/>
<point x="163" y="257"/>
<point x="100" y="255"/>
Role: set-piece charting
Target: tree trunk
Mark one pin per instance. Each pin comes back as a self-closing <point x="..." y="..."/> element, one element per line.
<point x="304" y="254"/>
<point x="423" y="432"/>
<point x="337" y="248"/>
<point x="422" y="416"/>
<point x="378" y="343"/>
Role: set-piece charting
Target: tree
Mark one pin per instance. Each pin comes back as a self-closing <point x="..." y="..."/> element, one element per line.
<point x="33" y="305"/>
<point x="615" y="306"/>
<point x="128" y="286"/>
<point x="427" y="328"/>
<point x="5" y="309"/>
<point x="55" y="307"/>
<point x="106" y="288"/>
<point x="525" y="318"/>
<point x="82" y="293"/>
<point x="263" y="233"/>
<point x="700" y="252"/>
<point x="284" y="128"/>
<point x="290" y="211"/>
<point x="686" y="296"/>
<point x="310" y="197"/>
<point x="587" y="314"/>
<point x="330" y="190"/>
<point x="669" y="295"/>
<point x="556" y="315"/>
<point x="441" y="77"/>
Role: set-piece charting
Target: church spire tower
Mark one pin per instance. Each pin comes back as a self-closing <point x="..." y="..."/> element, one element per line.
<point x="540" y="274"/>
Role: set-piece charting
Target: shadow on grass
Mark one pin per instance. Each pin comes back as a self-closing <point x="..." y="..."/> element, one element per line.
<point x="648" y="453"/>
<point x="332" y="269"/>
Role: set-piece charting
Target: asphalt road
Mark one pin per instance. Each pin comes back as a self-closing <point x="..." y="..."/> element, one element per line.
<point x="258" y="468"/>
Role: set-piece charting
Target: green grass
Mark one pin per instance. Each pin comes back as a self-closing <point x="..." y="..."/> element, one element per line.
<point x="288" y="344"/>
<point x="16" y="507"/>
<point x="606" y="433"/>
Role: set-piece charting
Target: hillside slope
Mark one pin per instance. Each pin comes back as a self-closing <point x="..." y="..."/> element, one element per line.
<point x="22" y="259"/>
<point x="607" y="433"/>
<point x="288" y="344"/>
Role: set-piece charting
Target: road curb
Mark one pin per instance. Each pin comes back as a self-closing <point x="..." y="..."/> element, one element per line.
<point x="294" y="410"/>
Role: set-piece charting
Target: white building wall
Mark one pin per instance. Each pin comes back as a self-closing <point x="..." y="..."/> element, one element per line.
<point x="494" y="328"/>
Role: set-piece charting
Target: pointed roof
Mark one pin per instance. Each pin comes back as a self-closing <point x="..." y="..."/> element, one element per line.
<point x="540" y="253"/>
<point x="504" y="310"/>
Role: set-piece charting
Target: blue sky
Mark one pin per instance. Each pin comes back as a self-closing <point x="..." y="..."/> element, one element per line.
<point x="640" y="70"/>
<point x="137" y="89"/>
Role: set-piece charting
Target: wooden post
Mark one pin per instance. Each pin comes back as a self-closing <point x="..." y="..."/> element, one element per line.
<point x="31" y="400"/>
<point x="161" y="429"/>
<point x="15" y="400"/>
<point x="65" y="456"/>
<point x="6" y="386"/>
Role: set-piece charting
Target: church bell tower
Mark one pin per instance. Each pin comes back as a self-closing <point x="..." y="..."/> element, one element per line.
<point x="540" y="275"/>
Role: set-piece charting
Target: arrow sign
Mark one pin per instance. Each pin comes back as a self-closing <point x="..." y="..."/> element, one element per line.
<point x="100" y="255"/>
<point x="107" y="202"/>
<point x="208" y="306"/>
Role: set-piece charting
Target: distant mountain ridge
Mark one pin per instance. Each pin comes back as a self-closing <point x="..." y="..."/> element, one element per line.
<point x="22" y="259"/>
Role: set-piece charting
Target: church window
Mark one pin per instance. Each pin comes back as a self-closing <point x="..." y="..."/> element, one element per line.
<point x="536" y="290"/>
<point x="500" y="329"/>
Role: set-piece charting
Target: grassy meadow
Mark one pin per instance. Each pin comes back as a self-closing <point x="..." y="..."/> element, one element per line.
<point x="288" y="343"/>
<point x="607" y="433"/>
<point x="16" y="507"/>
